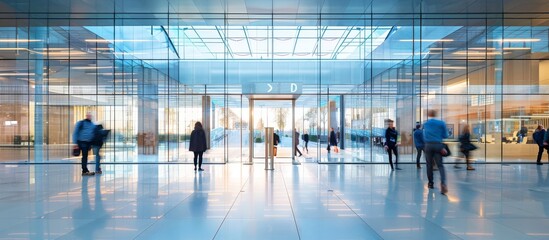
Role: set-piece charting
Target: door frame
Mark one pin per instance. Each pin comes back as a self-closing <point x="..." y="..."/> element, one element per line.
<point x="251" y="119"/>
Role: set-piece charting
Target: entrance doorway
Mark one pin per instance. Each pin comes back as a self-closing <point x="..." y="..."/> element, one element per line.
<point x="278" y="114"/>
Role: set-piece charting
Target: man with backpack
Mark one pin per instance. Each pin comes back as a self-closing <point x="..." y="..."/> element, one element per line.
<point x="87" y="135"/>
<point x="83" y="135"/>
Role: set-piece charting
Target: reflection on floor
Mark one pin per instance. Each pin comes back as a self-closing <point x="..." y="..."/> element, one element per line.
<point x="178" y="153"/>
<point x="310" y="201"/>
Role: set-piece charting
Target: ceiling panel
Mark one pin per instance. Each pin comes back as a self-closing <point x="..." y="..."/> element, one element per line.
<point x="279" y="6"/>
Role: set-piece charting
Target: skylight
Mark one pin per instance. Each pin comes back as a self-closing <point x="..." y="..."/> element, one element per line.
<point x="278" y="42"/>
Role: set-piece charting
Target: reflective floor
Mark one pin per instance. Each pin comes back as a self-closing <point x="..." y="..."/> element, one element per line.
<point x="310" y="201"/>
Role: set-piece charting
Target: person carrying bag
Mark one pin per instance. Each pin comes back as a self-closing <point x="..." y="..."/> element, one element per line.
<point x="276" y="141"/>
<point x="82" y="138"/>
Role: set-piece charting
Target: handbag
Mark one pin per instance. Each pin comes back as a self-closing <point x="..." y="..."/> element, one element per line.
<point x="448" y="152"/>
<point x="76" y="151"/>
<point x="275" y="151"/>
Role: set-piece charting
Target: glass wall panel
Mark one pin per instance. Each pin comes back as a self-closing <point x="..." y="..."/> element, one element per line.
<point x="521" y="116"/>
<point x="150" y="77"/>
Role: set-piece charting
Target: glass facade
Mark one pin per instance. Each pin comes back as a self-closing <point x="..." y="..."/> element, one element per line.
<point x="149" y="77"/>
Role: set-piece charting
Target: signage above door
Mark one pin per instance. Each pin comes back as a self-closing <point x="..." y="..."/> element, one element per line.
<point x="273" y="88"/>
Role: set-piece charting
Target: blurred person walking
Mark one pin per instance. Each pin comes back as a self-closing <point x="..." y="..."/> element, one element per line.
<point x="305" y="138"/>
<point x="419" y="143"/>
<point x="276" y="141"/>
<point x="434" y="131"/>
<point x="297" y="143"/>
<point x="82" y="137"/>
<point x="100" y="136"/>
<point x="465" y="145"/>
<point x="539" y="138"/>
<point x="332" y="140"/>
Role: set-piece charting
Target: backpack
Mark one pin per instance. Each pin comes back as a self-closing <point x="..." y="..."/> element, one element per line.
<point x="99" y="135"/>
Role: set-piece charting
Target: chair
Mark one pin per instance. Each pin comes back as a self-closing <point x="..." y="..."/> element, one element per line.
<point x="489" y="138"/>
<point x="512" y="138"/>
<point x="486" y="138"/>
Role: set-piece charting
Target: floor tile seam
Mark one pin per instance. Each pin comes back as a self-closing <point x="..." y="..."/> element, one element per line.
<point x="410" y="209"/>
<point x="73" y="205"/>
<point x="444" y="229"/>
<point x="91" y="222"/>
<point x="232" y="205"/>
<point x="510" y="227"/>
<point x="354" y="212"/>
<point x="494" y="221"/>
<point x="161" y="218"/>
<point x="530" y="211"/>
<point x="291" y="205"/>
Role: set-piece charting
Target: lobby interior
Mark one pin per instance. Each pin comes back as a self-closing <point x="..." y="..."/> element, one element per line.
<point x="148" y="70"/>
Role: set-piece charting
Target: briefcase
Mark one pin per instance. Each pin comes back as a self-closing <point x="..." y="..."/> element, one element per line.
<point x="76" y="151"/>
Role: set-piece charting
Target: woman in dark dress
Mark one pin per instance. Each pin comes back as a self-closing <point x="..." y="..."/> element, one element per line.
<point x="466" y="146"/>
<point x="198" y="144"/>
<point x="333" y="139"/>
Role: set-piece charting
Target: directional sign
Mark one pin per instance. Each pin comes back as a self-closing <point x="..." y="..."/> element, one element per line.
<point x="272" y="88"/>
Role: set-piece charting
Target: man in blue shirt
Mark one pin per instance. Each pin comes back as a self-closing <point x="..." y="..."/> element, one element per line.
<point x="418" y="142"/>
<point x="83" y="135"/>
<point x="434" y="131"/>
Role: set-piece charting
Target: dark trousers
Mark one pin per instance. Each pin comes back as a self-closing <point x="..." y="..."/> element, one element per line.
<point x="84" y="148"/>
<point x="199" y="156"/>
<point x="390" y="151"/>
<point x="297" y="151"/>
<point x="432" y="157"/>
<point x="418" y="157"/>
<point x="540" y="152"/>
<point x="306" y="146"/>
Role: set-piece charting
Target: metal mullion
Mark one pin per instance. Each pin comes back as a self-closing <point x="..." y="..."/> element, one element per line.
<point x="247" y="41"/>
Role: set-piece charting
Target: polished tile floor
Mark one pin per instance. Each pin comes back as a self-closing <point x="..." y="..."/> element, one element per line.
<point x="310" y="201"/>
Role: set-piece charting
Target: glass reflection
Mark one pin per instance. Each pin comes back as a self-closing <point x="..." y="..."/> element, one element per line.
<point x="150" y="79"/>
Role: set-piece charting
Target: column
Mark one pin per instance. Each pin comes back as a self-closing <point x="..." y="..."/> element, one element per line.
<point x="294" y="159"/>
<point x="332" y="118"/>
<point x="293" y="132"/>
<point x="147" y="130"/>
<point x="212" y="107"/>
<point x="206" y="115"/>
<point x="405" y="123"/>
<point x="251" y="134"/>
<point x="40" y="34"/>
<point x="342" y="122"/>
